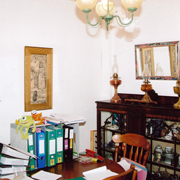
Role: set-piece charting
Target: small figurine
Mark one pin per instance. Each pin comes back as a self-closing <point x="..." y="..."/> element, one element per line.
<point x="25" y="121"/>
<point x="37" y="117"/>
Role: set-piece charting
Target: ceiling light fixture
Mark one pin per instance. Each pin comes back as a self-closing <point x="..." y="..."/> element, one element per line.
<point x="105" y="10"/>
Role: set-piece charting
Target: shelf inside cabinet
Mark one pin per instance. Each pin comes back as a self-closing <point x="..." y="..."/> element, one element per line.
<point x="163" y="164"/>
<point x="122" y="131"/>
<point x="162" y="139"/>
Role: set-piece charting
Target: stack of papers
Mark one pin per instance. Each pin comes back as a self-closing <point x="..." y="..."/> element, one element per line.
<point x="13" y="162"/>
<point x="67" y="118"/>
<point x="98" y="173"/>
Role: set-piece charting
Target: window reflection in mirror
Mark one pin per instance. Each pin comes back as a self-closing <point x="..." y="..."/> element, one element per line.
<point x="161" y="59"/>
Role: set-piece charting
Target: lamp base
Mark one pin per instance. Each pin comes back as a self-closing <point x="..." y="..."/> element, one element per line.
<point x="115" y="82"/>
<point x="115" y="99"/>
<point x="177" y="105"/>
<point x="146" y="87"/>
<point x="146" y="98"/>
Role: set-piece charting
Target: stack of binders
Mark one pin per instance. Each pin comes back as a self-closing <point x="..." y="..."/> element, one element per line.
<point x="12" y="161"/>
<point x="46" y="143"/>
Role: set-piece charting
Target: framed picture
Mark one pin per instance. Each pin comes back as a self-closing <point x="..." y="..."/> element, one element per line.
<point x="148" y="58"/>
<point x="38" y="78"/>
<point x="173" y="62"/>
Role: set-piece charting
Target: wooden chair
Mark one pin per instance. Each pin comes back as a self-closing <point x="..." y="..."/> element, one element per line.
<point x="127" y="175"/>
<point x="136" y="147"/>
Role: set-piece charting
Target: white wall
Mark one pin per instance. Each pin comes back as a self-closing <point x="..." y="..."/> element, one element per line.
<point x="82" y="56"/>
<point x="158" y="24"/>
<point x="76" y="59"/>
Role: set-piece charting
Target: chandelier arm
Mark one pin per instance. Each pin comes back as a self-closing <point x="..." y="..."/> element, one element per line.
<point x="120" y="23"/>
<point x="98" y="21"/>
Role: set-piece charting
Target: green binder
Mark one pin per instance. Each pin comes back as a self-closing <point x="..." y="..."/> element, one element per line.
<point x="59" y="143"/>
<point x="50" y="147"/>
<point x="31" y="149"/>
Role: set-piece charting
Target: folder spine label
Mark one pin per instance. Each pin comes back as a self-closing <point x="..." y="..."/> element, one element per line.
<point x="59" y="144"/>
<point x="66" y="144"/>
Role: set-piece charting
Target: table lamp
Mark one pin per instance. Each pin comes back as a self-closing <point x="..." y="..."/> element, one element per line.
<point x="115" y="81"/>
<point x="146" y="87"/>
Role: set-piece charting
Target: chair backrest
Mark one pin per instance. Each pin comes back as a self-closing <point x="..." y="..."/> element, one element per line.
<point x="130" y="174"/>
<point x="136" y="147"/>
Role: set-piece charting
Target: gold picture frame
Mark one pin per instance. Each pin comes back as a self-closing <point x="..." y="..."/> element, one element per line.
<point x="148" y="58"/>
<point x="38" y="78"/>
<point x="173" y="62"/>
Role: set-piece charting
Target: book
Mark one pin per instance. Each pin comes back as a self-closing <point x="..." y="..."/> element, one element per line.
<point x="13" y="161"/>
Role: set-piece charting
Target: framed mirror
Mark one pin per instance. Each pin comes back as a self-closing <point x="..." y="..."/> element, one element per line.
<point x="161" y="58"/>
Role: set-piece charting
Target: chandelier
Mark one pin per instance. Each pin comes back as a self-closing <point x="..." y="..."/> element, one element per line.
<point x="105" y="10"/>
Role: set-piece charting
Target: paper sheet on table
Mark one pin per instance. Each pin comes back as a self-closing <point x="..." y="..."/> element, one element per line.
<point x="124" y="164"/>
<point x="98" y="173"/>
<point x="43" y="175"/>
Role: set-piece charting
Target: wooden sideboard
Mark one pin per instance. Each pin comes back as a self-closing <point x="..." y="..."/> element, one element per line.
<point x="136" y="115"/>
